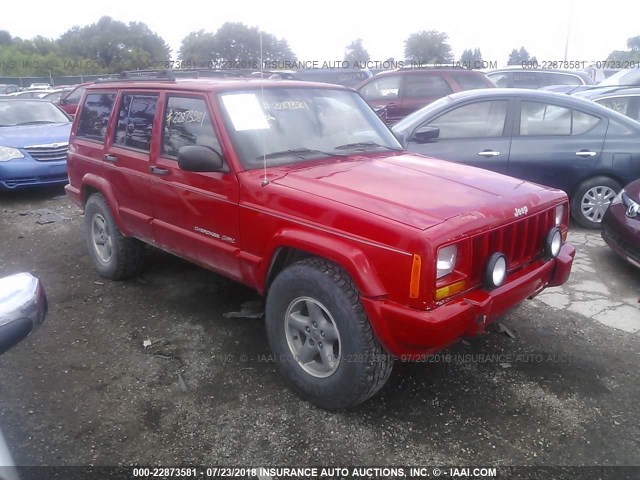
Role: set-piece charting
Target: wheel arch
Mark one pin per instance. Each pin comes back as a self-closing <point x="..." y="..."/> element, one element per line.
<point x="93" y="184"/>
<point x="290" y="246"/>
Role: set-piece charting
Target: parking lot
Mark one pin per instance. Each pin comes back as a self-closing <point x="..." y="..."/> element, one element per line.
<point x="556" y="383"/>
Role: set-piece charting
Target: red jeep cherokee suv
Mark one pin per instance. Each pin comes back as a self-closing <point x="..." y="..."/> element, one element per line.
<point x="364" y="252"/>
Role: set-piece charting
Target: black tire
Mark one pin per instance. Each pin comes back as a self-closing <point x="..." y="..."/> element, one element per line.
<point x="587" y="202"/>
<point x="118" y="256"/>
<point x="361" y="366"/>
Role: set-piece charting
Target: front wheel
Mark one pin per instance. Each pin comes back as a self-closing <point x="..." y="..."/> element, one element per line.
<point x="592" y="199"/>
<point x="321" y="338"/>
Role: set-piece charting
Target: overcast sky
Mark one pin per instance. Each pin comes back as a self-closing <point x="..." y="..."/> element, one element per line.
<point x="321" y="30"/>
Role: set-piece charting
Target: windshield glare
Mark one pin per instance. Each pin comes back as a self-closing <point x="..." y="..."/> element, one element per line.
<point x="13" y="113"/>
<point x="290" y="125"/>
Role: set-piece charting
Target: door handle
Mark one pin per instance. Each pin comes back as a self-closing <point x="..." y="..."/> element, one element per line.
<point x="110" y="158"/>
<point x="488" y="153"/>
<point x="586" y="153"/>
<point x="159" y="171"/>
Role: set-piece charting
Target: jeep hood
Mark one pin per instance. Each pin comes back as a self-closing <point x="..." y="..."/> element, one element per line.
<point x="414" y="190"/>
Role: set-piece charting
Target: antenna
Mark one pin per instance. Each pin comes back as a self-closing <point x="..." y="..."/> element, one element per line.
<point x="265" y="181"/>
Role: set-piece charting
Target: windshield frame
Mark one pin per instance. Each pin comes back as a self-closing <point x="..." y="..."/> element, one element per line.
<point x="279" y="157"/>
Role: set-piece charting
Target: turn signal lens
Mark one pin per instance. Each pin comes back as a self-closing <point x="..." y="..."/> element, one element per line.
<point x="414" y="284"/>
<point x="449" y="290"/>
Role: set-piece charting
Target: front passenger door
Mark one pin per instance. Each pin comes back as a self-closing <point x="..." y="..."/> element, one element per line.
<point x="195" y="213"/>
<point x="476" y="134"/>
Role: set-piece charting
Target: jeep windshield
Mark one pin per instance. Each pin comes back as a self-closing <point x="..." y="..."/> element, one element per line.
<point x="279" y="126"/>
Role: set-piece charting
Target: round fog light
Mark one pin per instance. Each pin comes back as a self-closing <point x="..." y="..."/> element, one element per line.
<point x="496" y="271"/>
<point x="553" y="243"/>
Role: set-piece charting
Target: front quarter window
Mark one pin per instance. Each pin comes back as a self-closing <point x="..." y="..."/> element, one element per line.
<point x="287" y="125"/>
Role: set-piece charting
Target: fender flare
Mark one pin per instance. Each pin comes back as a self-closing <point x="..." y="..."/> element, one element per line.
<point x="328" y="246"/>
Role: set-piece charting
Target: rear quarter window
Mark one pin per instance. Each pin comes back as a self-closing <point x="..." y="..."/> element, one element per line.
<point x="94" y="117"/>
<point x="470" y="82"/>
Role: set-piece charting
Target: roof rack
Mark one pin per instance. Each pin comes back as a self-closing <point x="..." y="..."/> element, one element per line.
<point x="170" y="75"/>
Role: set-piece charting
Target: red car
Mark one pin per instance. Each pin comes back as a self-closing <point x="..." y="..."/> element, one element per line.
<point x="364" y="252"/>
<point x="398" y="93"/>
<point x="69" y="102"/>
<point x="621" y="224"/>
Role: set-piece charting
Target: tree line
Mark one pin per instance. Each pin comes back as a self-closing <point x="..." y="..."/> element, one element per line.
<point x="111" y="46"/>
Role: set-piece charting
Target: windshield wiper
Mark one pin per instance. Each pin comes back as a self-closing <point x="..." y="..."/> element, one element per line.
<point x="298" y="152"/>
<point x="364" y="145"/>
<point x="35" y="122"/>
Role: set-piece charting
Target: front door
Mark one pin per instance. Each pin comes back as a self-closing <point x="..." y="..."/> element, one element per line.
<point x="475" y="133"/>
<point x="195" y="214"/>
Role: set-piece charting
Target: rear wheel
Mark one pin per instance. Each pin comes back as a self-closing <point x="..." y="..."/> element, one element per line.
<point x="592" y="199"/>
<point x="114" y="255"/>
<point x="321" y="338"/>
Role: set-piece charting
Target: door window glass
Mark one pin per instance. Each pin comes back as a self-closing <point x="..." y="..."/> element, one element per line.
<point x="187" y="122"/>
<point x="474" y="120"/>
<point x="135" y="121"/>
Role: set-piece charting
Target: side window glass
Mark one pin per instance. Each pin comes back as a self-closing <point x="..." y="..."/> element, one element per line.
<point x="474" y="120"/>
<point x="187" y="122"/>
<point x="582" y="122"/>
<point x="94" y="117"/>
<point x="418" y="86"/>
<point x="619" y="104"/>
<point x="383" y="88"/>
<point x="470" y="82"/>
<point x="75" y="95"/>
<point x="525" y="79"/>
<point x="560" y="79"/>
<point x="135" y="121"/>
<point x="538" y="118"/>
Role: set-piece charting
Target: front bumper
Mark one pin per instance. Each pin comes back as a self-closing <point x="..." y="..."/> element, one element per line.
<point x="26" y="172"/>
<point x="408" y="333"/>
<point x="622" y="233"/>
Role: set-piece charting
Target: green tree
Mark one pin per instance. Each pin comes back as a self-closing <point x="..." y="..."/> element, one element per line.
<point x="5" y="38"/>
<point x="471" y="58"/>
<point x="428" y="47"/>
<point x="234" y="44"/>
<point x="115" y="45"/>
<point x="517" y="57"/>
<point x="356" y="53"/>
<point x="633" y="54"/>
<point x="198" y="47"/>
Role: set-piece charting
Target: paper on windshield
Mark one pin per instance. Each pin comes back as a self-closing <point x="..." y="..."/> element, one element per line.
<point x="245" y="112"/>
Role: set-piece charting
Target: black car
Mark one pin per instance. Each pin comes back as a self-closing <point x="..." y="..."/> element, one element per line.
<point x="576" y="145"/>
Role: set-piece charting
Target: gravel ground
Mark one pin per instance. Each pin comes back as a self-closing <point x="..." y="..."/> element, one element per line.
<point x="83" y="390"/>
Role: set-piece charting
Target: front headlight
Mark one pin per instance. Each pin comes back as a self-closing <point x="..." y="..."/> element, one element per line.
<point x="9" y="153"/>
<point x="559" y="214"/>
<point x="446" y="260"/>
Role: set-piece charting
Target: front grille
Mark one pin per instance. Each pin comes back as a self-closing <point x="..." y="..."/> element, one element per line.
<point x="48" y="153"/>
<point x="521" y="242"/>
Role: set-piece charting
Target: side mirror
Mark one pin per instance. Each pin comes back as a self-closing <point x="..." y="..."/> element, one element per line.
<point x="23" y="307"/>
<point x="197" y="158"/>
<point x="425" y="134"/>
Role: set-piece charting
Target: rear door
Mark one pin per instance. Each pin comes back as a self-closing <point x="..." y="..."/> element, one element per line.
<point x="195" y="213"/>
<point x="127" y="160"/>
<point x="475" y="133"/>
<point x="555" y="144"/>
